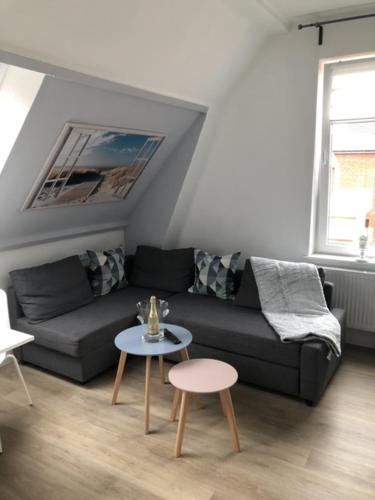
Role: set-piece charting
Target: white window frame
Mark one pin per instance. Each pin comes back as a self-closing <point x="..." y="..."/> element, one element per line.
<point x="321" y="244"/>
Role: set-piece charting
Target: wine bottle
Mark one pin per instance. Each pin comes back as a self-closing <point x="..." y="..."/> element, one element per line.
<point x="153" y="319"/>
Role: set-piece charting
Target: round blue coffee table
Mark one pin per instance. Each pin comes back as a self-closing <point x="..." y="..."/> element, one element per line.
<point x="130" y="341"/>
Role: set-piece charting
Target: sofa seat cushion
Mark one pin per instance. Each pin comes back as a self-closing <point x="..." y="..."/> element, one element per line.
<point x="82" y="330"/>
<point x="218" y="323"/>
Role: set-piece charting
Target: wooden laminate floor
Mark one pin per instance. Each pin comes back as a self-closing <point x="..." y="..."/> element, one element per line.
<point x="72" y="444"/>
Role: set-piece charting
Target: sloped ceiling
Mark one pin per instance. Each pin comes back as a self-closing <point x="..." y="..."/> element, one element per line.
<point x="60" y="101"/>
<point x="189" y="49"/>
<point x="290" y="9"/>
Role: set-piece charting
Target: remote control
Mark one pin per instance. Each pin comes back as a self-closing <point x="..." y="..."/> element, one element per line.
<point x="171" y="336"/>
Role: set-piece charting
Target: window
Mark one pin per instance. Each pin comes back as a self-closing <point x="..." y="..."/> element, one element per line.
<point x="346" y="192"/>
<point x="18" y="89"/>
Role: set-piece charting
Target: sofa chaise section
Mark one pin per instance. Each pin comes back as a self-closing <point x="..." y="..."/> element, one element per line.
<point x="244" y="338"/>
<point x="79" y="344"/>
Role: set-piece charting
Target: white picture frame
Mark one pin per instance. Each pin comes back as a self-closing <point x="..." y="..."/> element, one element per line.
<point x="92" y="164"/>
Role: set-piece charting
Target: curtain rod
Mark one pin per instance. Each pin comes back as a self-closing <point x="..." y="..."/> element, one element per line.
<point x="320" y="24"/>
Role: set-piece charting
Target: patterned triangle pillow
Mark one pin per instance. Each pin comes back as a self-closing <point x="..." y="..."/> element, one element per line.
<point x="105" y="269"/>
<point x="214" y="275"/>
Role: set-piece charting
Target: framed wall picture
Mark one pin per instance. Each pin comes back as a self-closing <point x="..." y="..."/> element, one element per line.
<point x="92" y="164"/>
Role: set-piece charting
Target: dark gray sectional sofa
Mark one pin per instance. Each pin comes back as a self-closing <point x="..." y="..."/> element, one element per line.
<point x="79" y="344"/>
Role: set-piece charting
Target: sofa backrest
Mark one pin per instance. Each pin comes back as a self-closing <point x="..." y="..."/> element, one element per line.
<point x="129" y="264"/>
<point x="15" y="310"/>
<point x="237" y="280"/>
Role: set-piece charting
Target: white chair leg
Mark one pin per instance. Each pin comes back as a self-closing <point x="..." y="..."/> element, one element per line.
<point x="18" y="369"/>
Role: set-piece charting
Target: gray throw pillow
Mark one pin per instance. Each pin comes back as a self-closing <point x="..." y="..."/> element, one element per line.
<point x="50" y="290"/>
<point x="168" y="270"/>
<point x="214" y="275"/>
<point x="105" y="269"/>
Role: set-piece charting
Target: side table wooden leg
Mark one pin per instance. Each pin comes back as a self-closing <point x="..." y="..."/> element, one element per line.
<point x="147" y="393"/>
<point x="185" y="357"/>
<point x="119" y="375"/>
<point x="223" y="407"/>
<point x="175" y="404"/>
<point x="181" y="424"/>
<point x="228" y="405"/>
<point x="161" y="370"/>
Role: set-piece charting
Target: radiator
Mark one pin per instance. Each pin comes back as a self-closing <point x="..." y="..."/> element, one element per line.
<point x="355" y="292"/>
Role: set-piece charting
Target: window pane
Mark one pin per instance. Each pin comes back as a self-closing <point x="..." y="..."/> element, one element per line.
<point x="353" y="96"/>
<point x="352" y="183"/>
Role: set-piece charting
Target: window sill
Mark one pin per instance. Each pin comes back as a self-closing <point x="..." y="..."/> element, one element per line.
<point x="341" y="261"/>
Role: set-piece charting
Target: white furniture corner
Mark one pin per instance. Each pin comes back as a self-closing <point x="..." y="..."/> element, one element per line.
<point x="9" y="340"/>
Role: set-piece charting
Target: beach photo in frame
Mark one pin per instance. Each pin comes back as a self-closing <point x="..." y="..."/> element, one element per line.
<point x="92" y="164"/>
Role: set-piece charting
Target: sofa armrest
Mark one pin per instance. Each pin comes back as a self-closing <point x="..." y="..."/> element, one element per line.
<point x="15" y="310"/>
<point x="328" y="288"/>
<point x="316" y="370"/>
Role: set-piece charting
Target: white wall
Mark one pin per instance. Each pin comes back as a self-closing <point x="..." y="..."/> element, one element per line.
<point x="249" y="187"/>
<point x="149" y="222"/>
<point x="48" y="252"/>
<point x="190" y="49"/>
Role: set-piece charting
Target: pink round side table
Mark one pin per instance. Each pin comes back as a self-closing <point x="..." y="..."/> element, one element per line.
<point x="203" y="376"/>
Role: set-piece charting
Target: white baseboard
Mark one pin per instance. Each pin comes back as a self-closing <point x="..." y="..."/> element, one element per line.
<point x="360" y="337"/>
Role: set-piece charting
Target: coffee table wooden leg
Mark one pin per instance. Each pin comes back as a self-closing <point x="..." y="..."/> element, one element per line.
<point x="184" y="354"/>
<point x="175" y="404"/>
<point x="181" y="424"/>
<point x="147" y="393"/>
<point x="161" y="370"/>
<point x="228" y="405"/>
<point x="119" y="375"/>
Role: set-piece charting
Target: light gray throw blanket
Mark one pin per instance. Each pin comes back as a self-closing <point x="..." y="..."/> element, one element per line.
<point x="292" y="300"/>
